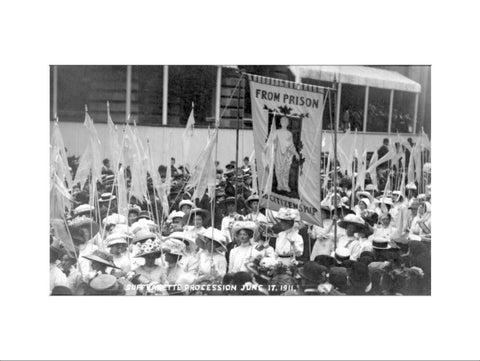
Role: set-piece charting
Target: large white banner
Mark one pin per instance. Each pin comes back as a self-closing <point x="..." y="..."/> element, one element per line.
<point x="289" y="116"/>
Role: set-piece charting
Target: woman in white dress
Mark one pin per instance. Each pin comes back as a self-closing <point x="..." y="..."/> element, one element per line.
<point x="239" y="256"/>
<point x="212" y="263"/>
<point x="199" y="217"/>
<point x="284" y="152"/>
<point x="189" y="261"/>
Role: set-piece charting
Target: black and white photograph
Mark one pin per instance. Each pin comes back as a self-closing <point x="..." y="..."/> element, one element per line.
<point x="239" y="181"/>
<point x="206" y="180"/>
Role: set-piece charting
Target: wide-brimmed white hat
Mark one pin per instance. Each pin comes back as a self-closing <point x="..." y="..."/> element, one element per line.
<point x="123" y="228"/>
<point x="83" y="208"/>
<point x="143" y="235"/>
<point x="352" y="219"/>
<point x="149" y="248"/>
<point x="143" y="223"/>
<point x="288" y="214"/>
<point x="216" y="236"/>
<point x="365" y="200"/>
<point x="174" y="246"/>
<point x="115" y="219"/>
<point x="186" y="202"/>
<point x="370" y="187"/>
<point x="176" y="214"/>
<point x="116" y="238"/>
<point x="249" y="226"/>
<point x="181" y="236"/>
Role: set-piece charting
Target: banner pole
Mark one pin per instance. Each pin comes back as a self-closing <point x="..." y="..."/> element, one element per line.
<point x="335" y="129"/>
<point x="236" y="150"/>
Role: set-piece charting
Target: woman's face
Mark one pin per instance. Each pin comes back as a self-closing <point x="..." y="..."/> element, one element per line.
<point x="132" y="218"/>
<point x="118" y="249"/>
<point x="254" y="205"/>
<point x="362" y="205"/>
<point x="421" y="210"/>
<point x="351" y="230"/>
<point x="284" y="122"/>
<point x="243" y="236"/>
<point x="385" y="221"/>
<point x="150" y="260"/>
<point x="171" y="258"/>
<point x="198" y="221"/>
<point x="186" y="209"/>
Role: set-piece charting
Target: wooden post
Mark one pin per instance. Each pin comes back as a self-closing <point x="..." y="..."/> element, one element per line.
<point x="165" y="95"/>
<point x="365" y="109"/>
<point x="390" y="112"/>
<point x="128" y="102"/>
<point x="338" y="98"/>
<point x="218" y="96"/>
<point x="55" y="92"/>
<point x="415" y="113"/>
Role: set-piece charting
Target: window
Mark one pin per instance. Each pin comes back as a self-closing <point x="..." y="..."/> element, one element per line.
<point x="352" y="107"/>
<point x="187" y="84"/>
<point x="378" y="108"/>
<point x="147" y="95"/>
<point x="235" y="100"/>
<point x="403" y="111"/>
<point x="93" y="85"/>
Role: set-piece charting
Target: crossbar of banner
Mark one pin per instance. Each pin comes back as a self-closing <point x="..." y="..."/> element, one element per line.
<point x="287" y="83"/>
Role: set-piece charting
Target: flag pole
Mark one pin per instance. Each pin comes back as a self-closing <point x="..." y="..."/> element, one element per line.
<point x="236" y="148"/>
<point x="335" y="129"/>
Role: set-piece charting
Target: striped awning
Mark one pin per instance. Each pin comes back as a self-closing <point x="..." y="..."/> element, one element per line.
<point x="357" y="75"/>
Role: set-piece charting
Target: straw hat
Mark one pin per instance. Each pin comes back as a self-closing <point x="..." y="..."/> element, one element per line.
<point x="181" y="236"/>
<point x="123" y="228"/>
<point x="83" y="222"/>
<point x="288" y="214"/>
<point x="370" y="187"/>
<point x="83" y="208"/>
<point x="380" y="243"/>
<point x="106" y="197"/>
<point x="150" y="248"/>
<point x="145" y="224"/>
<point x="104" y="283"/>
<point x="101" y="257"/>
<point x="385" y="200"/>
<point x="116" y="238"/>
<point x="342" y="254"/>
<point x="186" y="202"/>
<point x="248" y="226"/>
<point x="176" y="214"/>
<point x="115" y="219"/>
<point x="216" y="236"/>
<point x="366" y="201"/>
<point x="142" y="235"/>
<point x="352" y="219"/>
<point x="174" y="246"/>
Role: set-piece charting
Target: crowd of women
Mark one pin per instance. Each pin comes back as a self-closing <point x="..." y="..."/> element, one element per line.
<point x="370" y="242"/>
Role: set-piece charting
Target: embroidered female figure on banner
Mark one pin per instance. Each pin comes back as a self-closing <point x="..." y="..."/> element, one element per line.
<point x="284" y="133"/>
<point x="284" y="153"/>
